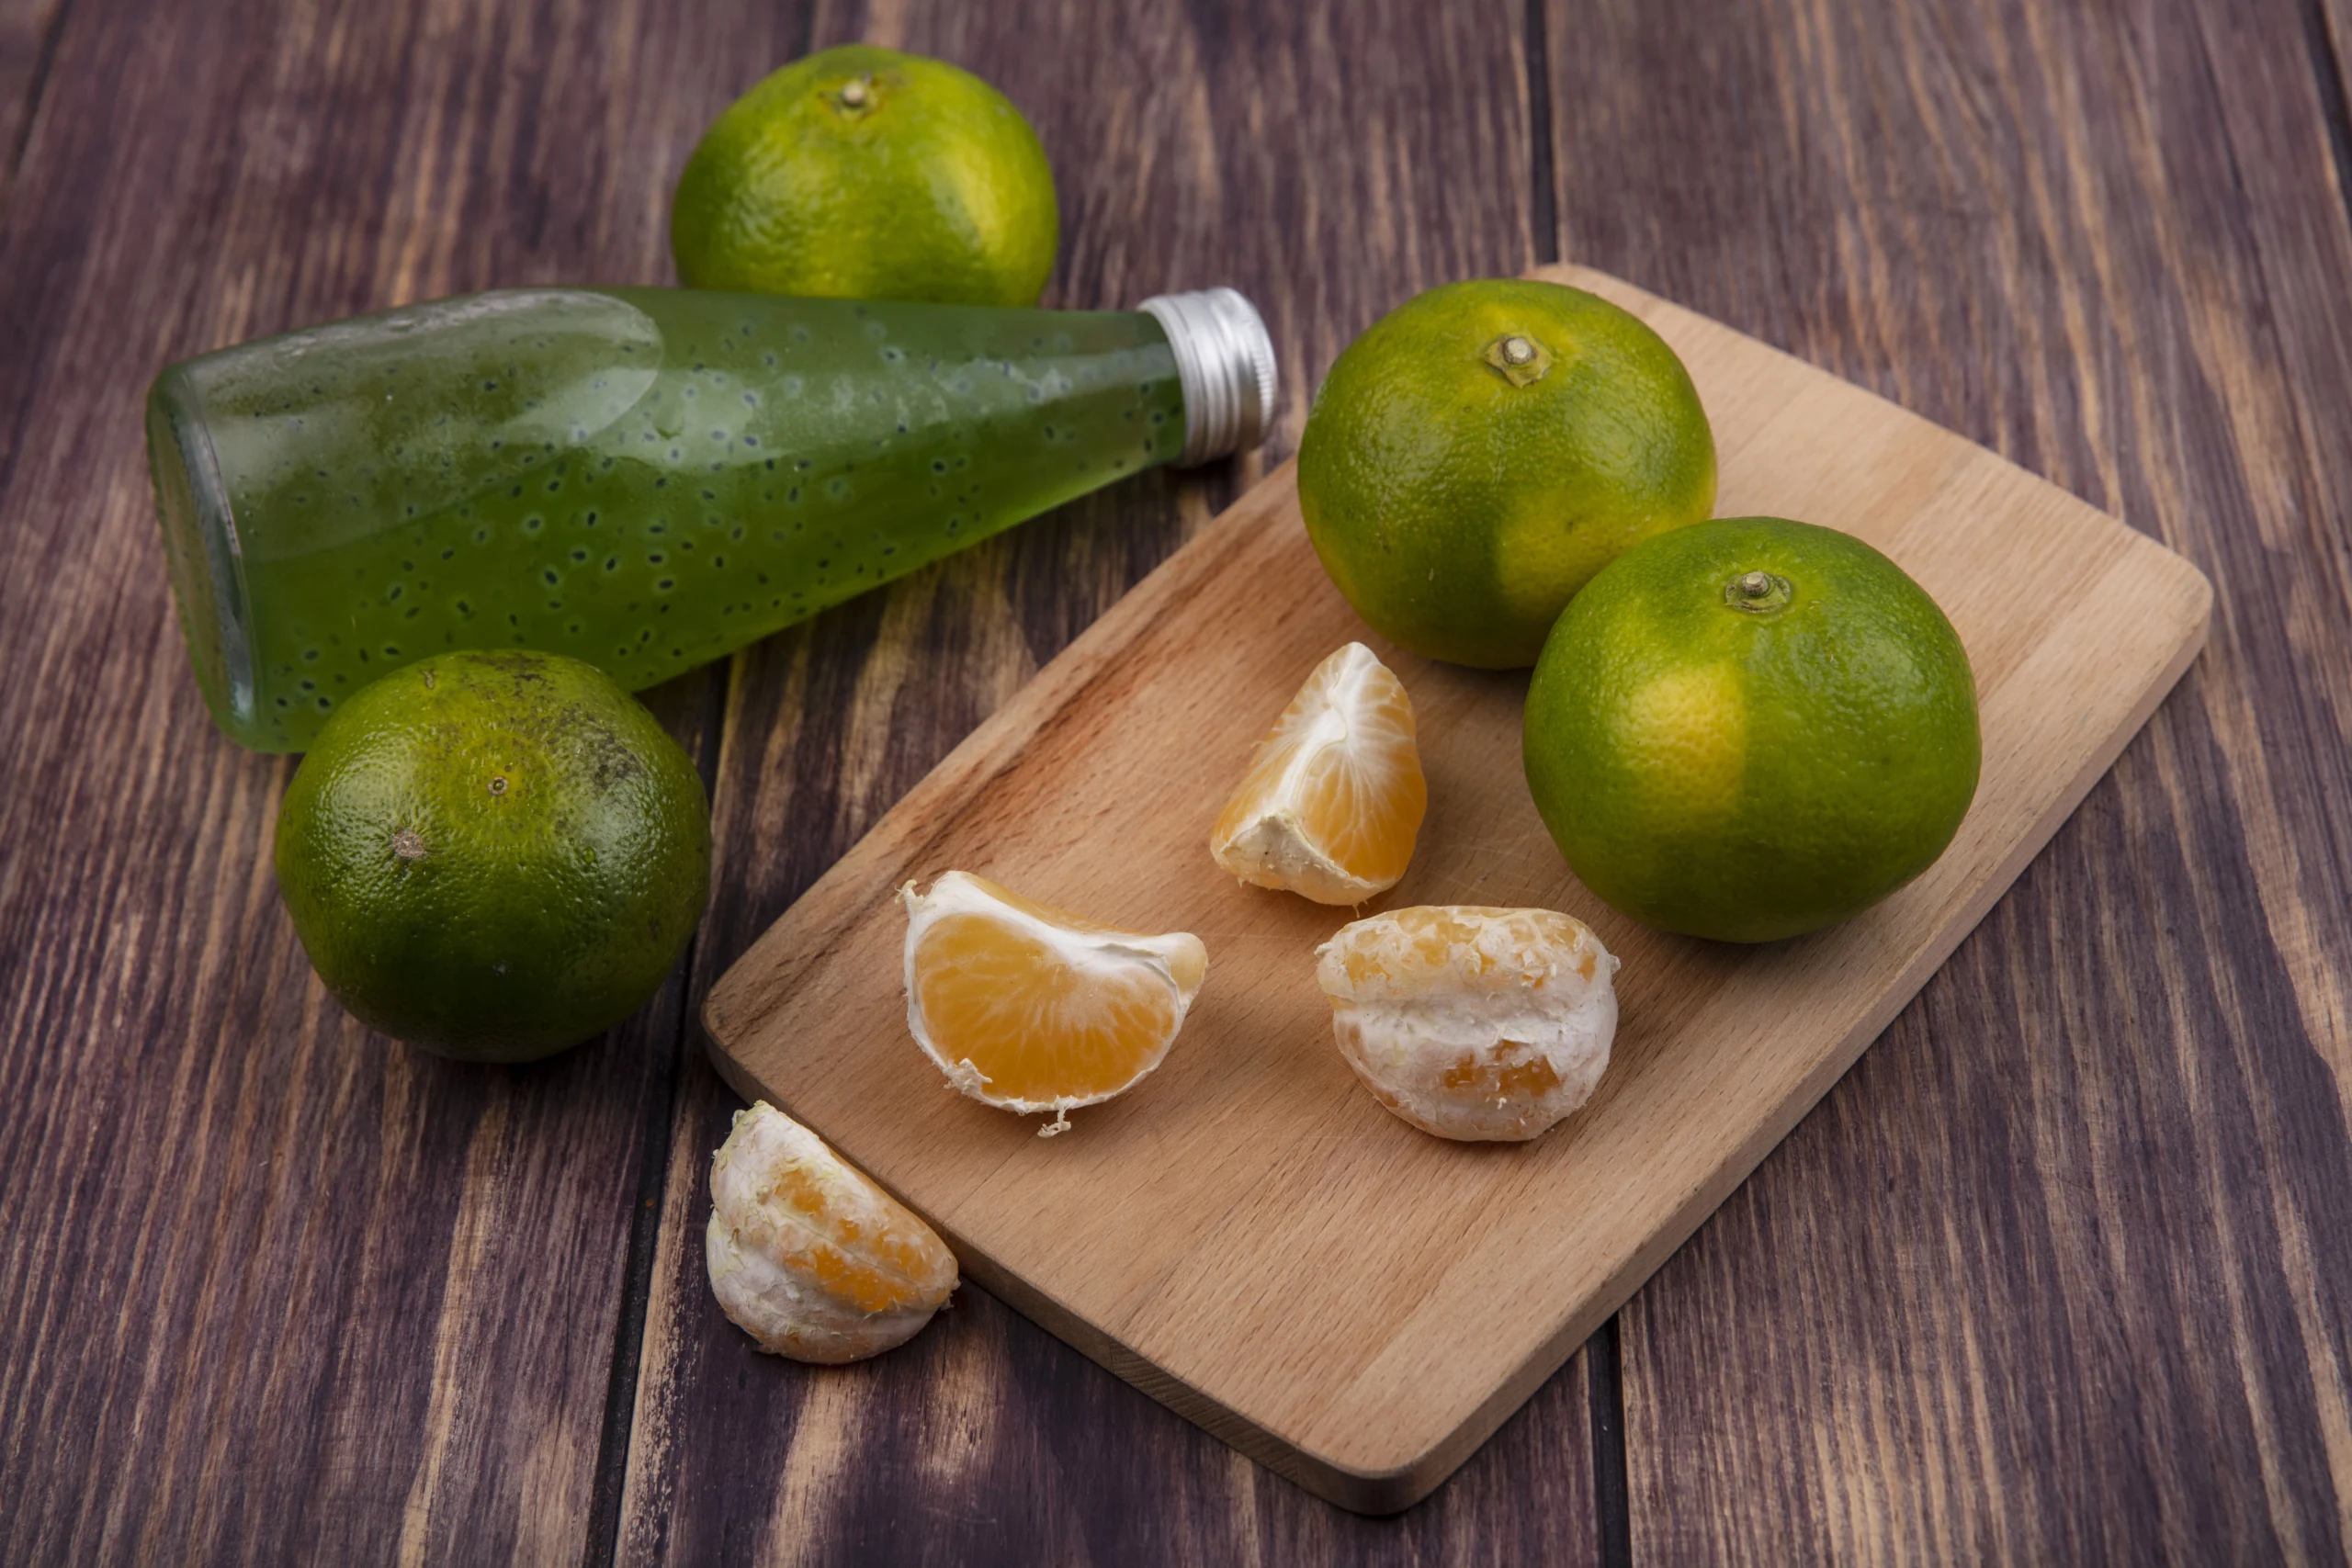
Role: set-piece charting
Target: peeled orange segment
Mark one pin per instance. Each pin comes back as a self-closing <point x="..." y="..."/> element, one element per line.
<point x="807" y="1255"/>
<point x="1334" y="796"/>
<point x="1473" y="1024"/>
<point x="1030" y="1007"/>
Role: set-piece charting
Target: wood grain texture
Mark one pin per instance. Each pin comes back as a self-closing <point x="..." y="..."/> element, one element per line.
<point x="27" y="28"/>
<point x="273" y="1288"/>
<point x="2059" y="1272"/>
<point x="1328" y="160"/>
<point x="1248" y="1235"/>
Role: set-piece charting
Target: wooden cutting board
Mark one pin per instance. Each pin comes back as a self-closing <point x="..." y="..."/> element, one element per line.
<point x="1246" y="1235"/>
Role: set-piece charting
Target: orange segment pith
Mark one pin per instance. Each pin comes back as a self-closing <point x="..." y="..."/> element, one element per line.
<point x="1030" y="1007"/>
<point x="807" y="1255"/>
<point x="1334" y="796"/>
<point x="1474" y="1024"/>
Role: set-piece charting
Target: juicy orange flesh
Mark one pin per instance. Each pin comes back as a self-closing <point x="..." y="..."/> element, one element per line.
<point x="1353" y="778"/>
<point x="1493" y="1075"/>
<point x="1037" y="1026"/>
<point x="875" y="1272"/>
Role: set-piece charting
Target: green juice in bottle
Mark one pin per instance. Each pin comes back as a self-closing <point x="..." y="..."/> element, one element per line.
<point x="644" y="478"/>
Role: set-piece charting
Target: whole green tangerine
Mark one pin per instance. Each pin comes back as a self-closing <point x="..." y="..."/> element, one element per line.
<point x="867" y="173"/>
<point x="1481" y="451"/>
<point x="1751" y="728"/>
<point x="493" y="855"/>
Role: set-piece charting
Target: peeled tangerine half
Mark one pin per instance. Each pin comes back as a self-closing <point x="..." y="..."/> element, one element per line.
<point x="1029" y="1007"/>
<point x="1473" y="1024"/>
<point x="1334" y="796"/>
<point x="807" y="1255"/>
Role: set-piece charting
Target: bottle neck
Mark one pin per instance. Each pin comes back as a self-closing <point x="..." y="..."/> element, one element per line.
<point x="1224" y="363"/>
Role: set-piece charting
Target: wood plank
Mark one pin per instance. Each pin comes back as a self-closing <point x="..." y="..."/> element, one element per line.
<point x="1181" y="1239"/>
<point x="1183" y="151"/>
<point x="273" y="1288"/>
<point x="27" y="28"/>
<point x="2057" y="1273"/>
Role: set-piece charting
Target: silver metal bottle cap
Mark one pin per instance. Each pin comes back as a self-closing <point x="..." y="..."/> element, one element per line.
<point x="1225" y="362"/>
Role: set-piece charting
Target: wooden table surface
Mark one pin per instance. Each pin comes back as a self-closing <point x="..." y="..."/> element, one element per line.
<point x="2061" y="1271"/>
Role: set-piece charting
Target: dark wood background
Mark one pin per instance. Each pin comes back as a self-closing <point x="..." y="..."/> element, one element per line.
<point x="2063" y="1271"/>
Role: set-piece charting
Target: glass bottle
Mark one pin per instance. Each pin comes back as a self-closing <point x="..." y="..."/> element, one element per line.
<point x="645" y="479"/>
